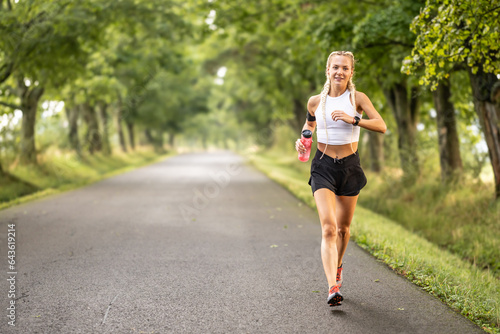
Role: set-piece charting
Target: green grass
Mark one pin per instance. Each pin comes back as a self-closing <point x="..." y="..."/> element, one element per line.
<point x="61" y="172"/>
<point x="473" y="292"/>
<point x="461" y="217"/>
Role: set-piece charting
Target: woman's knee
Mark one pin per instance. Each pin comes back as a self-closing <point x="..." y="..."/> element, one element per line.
<point x="344" y="232"/>
<point x="329" y="229"/>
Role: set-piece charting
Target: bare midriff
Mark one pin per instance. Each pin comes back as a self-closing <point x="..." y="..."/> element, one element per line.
<point x="338" y="151"/>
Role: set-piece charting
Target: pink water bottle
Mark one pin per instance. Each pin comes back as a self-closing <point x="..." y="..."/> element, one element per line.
<point x="306" y="140"/>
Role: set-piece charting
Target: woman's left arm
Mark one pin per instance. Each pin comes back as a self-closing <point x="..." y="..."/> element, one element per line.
<point x="375" y="121"/>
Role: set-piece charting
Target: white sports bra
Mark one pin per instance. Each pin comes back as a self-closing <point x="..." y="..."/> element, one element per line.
<point x="339" y="132"/>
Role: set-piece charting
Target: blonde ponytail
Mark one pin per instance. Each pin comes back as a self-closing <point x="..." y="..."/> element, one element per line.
<point x="352" y="90"/>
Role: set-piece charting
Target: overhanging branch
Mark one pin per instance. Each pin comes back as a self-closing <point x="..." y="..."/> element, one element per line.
<point x="6" y="71"/>
<point x="10" y="105"/>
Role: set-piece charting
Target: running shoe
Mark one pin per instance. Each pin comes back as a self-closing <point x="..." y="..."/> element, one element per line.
<point x="340" y="276"/>
<point x="334" y="297"/>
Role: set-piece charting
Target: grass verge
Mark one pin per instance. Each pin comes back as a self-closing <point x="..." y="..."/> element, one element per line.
<point x="57" y="173"/>
<point x="473" y="292"/>
<point x="461" y="216"/>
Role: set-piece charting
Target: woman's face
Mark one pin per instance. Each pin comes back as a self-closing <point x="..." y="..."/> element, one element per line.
<point x="340" y="70"/>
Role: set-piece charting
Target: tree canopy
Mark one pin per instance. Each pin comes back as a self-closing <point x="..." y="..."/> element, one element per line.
<point x="136" y="71"/>
<point x="451" y="32"/>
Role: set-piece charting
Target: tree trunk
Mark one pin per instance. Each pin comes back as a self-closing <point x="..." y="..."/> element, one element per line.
<point x="103" y="109"/>
<point x="405" y="112"/>
<point x="171" y="140"/>
<point x="30" y="96"/>
<point x="449" y="146"/>
<point x="92" y="136"/>
<point x="156" y="141"/>
<point x="119" y="127"/>
<point x="160" y="141"/>
<point x="485" y="91"/>
<point x="130" y="127"/>
<point x="149" y="136"/>
<point x="72" y="115"/>
<point x="300" y="112"/>
<point x="28" y="150"/>
<point x="376" y="147"/>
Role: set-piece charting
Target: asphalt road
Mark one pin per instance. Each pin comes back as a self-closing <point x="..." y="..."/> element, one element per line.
<point x="199" y="243"/>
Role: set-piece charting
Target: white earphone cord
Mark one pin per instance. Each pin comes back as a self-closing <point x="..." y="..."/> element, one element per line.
<point x="326" y="130"/>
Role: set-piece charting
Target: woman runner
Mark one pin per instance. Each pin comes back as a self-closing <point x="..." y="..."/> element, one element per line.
<point x="336" y="174"/>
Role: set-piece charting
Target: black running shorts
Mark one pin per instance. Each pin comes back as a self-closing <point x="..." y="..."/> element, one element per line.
<point x="342" y="176"/>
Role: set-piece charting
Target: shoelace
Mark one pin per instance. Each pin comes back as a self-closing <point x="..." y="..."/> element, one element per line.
<point x="334" y="289"/>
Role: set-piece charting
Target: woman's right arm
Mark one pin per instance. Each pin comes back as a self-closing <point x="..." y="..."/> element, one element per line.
<point x="312" y="104"/>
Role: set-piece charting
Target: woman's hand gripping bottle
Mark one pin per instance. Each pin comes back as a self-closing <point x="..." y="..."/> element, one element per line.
<point x="306" y="140"/>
